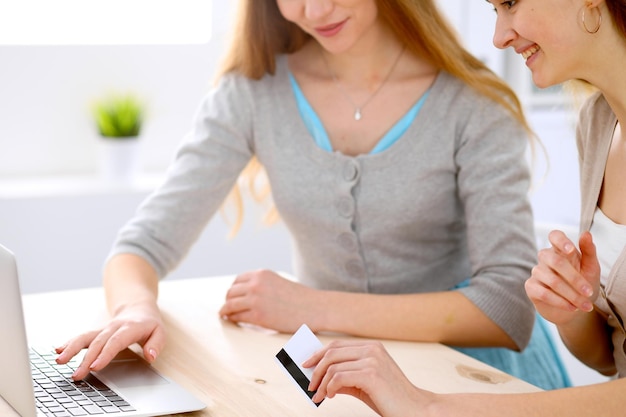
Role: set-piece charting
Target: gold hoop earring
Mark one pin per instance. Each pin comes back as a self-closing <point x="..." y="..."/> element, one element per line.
<point x="595" y="29"/>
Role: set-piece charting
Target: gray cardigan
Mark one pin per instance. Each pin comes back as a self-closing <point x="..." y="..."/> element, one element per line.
<point x="446" y="202"/>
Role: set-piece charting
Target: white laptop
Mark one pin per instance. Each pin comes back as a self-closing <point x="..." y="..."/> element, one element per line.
<point x="129" y="386"/>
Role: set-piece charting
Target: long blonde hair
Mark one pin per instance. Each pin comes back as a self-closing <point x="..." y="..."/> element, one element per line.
<point x="261" y="33"/>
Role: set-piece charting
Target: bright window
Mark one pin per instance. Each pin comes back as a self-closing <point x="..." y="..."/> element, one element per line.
<point x="104" y="22"/>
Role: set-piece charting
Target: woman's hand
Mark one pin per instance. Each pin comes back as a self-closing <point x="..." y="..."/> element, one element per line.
<point x="266" y="299"/>
<point x="566" y="281"/>
<point x="138" y="323"/>
<point x="365" y="370"/>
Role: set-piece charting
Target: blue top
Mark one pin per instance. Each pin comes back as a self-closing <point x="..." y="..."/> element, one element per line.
<point x="316" y="128"/>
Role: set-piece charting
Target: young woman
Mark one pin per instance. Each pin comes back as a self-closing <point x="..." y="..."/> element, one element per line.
<point x="396" y="160"/>
<point x="580" y="282"/>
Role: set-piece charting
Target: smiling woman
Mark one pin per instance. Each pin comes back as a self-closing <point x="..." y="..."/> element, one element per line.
<point x="99" y="22"/>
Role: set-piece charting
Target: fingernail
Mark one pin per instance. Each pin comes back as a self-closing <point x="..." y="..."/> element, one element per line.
<point x="587" y="290"/>
<point x="76" y="372"/>
<point x="94" y="364"/>
<point x="587" y="307"/>
<point x="568" y="247"/>
<point x="152" y="353"/>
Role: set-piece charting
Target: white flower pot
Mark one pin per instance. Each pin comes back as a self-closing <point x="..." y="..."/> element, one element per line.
<point x="119" y="160"/>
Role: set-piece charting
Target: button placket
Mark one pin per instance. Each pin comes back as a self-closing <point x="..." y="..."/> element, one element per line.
<point x="345" y="204"/>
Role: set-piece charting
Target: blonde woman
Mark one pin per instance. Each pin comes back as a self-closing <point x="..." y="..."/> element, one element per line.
<point x="396" y="161"/>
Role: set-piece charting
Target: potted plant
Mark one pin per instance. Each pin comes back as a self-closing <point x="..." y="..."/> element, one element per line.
<point x="119" y="116"/>
<point x="119" y="119"/>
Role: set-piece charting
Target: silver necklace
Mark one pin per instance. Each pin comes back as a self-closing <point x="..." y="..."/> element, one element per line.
<point x="358" y="110"/>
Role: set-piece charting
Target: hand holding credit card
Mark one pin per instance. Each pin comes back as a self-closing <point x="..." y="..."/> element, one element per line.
<point x="298" y="349"/>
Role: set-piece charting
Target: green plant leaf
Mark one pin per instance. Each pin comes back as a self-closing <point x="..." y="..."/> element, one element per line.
<point x="119" y="116"/>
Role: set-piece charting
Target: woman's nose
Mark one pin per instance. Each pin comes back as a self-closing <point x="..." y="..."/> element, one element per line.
<point x="316" y="9"/>
<point x="504" y="34"/>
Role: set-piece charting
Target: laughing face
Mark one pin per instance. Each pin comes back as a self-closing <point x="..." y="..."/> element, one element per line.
<point x="548" y="36"/>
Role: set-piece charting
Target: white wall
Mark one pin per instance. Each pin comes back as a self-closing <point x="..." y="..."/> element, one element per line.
<point x="55" y="213"/>
<point x="62" y="230"/>
<point x="46" y="91"/>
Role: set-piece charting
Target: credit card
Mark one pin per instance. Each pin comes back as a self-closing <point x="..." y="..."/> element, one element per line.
<point x="298" y="349"/>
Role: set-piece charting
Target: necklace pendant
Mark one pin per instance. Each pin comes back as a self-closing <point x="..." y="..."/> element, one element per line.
<point x="357" y="114"/>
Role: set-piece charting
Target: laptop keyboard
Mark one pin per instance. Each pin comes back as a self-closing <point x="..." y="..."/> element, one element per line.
<point x="57" y="395"/>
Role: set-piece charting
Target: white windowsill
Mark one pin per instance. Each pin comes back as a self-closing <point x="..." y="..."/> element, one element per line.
<point x="72" y="185"/>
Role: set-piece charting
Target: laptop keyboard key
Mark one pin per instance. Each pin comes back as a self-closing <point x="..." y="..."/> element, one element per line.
<point x="58" y="395"/>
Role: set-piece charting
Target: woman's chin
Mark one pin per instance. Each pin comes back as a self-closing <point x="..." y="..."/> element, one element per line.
<point x="542" y="82"/>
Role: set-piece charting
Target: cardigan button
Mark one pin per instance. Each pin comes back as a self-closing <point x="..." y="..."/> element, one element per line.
<point x="350" y="171"/>
<point x="347" y="241"/>
<point x="355" y="269"/>
<point x="345" y="207"/>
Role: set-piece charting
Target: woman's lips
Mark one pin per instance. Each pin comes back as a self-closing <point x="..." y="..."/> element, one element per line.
<point x="330" y="30"/>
